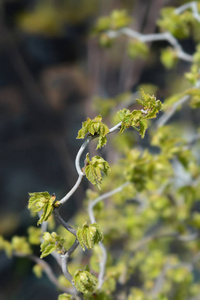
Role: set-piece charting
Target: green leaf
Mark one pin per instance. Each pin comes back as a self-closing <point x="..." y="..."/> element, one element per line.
<point x="177" y="24"/>
<point x="195" y="97"/>
<point x="116" y="20"/>
<point x="89" y="235"/>
<point x="137" y="48"/>
<point x="105" y="40"/>
<point x="196" y="56"/>
<point x="37" y="270"/>
<point x="41" y="201"/>
<point x="20" y="245"/>
<point x="143" y="127"/>
<point x="84" y="281"/>
<point x="52" y="242"/>
<point x="119" y="19"/>
<point x="193" y="75"/>
<point x="65" y="297"/>
<point x="169" y="57"/>
<point x="95" y="168"/>
<point x="137" y="118"/>
<point x="94" y="127"/>
<point x="34" y="235"/>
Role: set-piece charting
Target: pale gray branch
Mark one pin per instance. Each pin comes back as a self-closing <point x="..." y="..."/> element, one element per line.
<point x="71" y="192"/>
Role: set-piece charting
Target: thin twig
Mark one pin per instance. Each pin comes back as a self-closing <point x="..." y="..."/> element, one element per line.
<point x="47" y="269"/>
<point x="44" y="226"/>
<point x="62" y="222"/>
<point x="193" y="6"/>
<point x="168" y="114"/>
<point x="78" y="156"/>
<point x="166" y="36"/>
<point x="64" y="260"/>
<point x="102" y="265"/>
<point x="102" y="197"/>
<point x="161" y="278"/>
<point x="77" y="164"/>
<point x="103" y="260"/>
<point x="73" y="247"/>
<point x="71" y="192"/>
<point x="175" y="235"/>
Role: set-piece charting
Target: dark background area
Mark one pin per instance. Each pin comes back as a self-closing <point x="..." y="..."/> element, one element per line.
<point x="50" y="67"/>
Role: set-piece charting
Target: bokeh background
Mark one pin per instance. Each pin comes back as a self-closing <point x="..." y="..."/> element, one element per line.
<point x="51" y="67"/>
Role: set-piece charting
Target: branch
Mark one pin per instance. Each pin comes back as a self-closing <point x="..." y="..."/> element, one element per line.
<point x="71" y="192"/>
<point x="78" y="156"/>
<point x="166" y="36"/>
<point x="168" y="114"/>
<point x="161" y="278"/>
<point x="44" y="226"/>
<point x="103" y="260"/>
<point x="193" y="6"/>
<point x="73" y="247"/>
<point x="102" y="265"/>
<point x="175" y="235"/>
<point x="63" y="223"/>
<point x="102" y="197"/>
<point x="47" y="269"/>
<point x="64" y="261"/>
<point x="77" y="164"/>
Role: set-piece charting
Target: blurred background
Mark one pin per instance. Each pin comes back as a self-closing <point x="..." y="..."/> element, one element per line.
<point x="51" y="67"/>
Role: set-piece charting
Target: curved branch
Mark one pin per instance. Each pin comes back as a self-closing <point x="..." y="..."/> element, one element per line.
<point x="166" y="36"/>
<point x="78" y="156"/>
<point x="71" y="192"/>
<point x="62" y="222"/>
<point x="47" y="269"/>
<point x="102" y="197"/>
<point x="103" y="260"/>
<point x="193" y="6"/>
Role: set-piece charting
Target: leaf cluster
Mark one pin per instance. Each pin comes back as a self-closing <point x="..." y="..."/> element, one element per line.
<point x="138" y="118"/>
<point x="41" y="201"/>
<point x="169" y="57"/>
<point x="65" y="296"/>
<point x="34" y="235"/>
<point x="94" y="169"/>
<point x="116" y="20"/>
<point x="85" y="282"/>
<point x="177" y="24"/>
<point x="94" y="127"/>
<point x="89" y="235"/>
<point x="52" y="242"/>
<point x="137" y="49"/>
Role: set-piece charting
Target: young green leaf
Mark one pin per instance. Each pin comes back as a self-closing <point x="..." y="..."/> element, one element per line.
<point x="89" y="235"/>
<point x="169" y="57"/>
<point x="177" y="24"/>
<point x="138" y="118"/>
<point x="137" y="49"/>
<point x="65" y="297"/>
<point x="84" y="281"/>
<point x="34" y="235"/>
<point x="117" y="19"/>
<point x="94" y="127"/>
<point x="20" y="245"/>
<point x="150" y="104"/>
<point x="37" y="270"/>
<point x="52" y="242"/>
<point x="42" y="201"/>
<point x="94" y="169"/>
